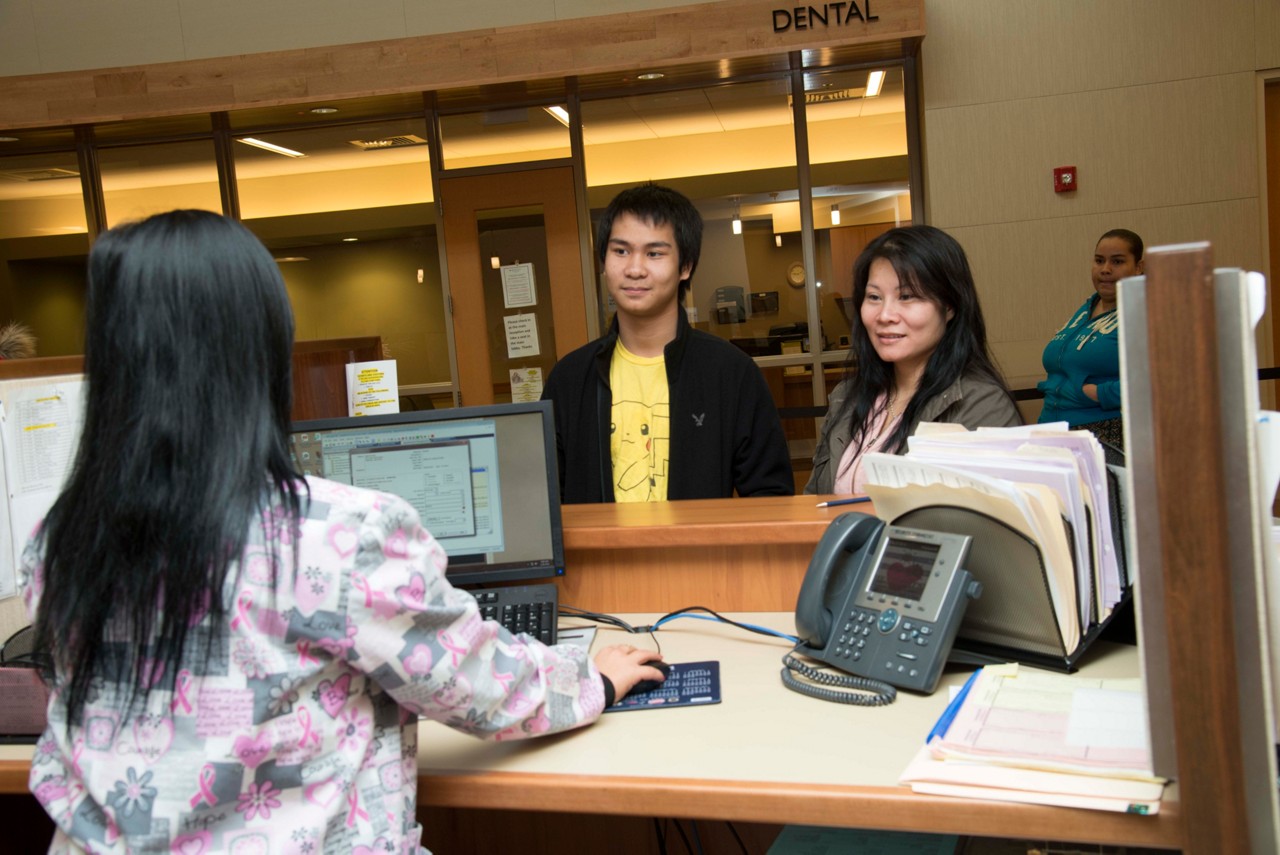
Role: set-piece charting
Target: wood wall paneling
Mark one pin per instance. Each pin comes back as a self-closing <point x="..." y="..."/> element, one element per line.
<point x="648" y="38"/>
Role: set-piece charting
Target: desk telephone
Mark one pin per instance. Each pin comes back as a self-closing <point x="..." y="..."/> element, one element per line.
<point x="883" y="602"/>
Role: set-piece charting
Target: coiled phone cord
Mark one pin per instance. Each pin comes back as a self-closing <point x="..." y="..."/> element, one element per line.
<point x="846" y="688"/>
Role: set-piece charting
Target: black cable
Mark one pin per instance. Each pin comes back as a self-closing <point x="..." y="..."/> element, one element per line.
<point x="609" y="620"/>
<point x="683" y="836"/>
<point x="840" y="688"/>
<point x="661" y="835"/>
<point x="741" y="843"/>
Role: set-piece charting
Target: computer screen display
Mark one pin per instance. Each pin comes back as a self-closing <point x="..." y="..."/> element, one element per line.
<point x="483" y="479"/>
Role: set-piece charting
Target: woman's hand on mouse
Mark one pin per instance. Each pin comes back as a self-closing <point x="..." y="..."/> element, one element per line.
<point x="625" y="666"/>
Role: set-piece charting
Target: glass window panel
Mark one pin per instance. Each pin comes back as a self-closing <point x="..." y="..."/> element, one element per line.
<point x="340" y="168"/>
<point x="511" y="135"/>
<point x="141" y="180"/>
<point x="138" y="130"/>
<point x="731" y="149"/>
<point x="44" y="244"/>
<point x="860" y="172"/>
<point x="326" y="112"/>
<point x="353" y="227"/>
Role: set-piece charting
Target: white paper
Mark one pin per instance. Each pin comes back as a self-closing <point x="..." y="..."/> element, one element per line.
<point x="373" y="388"/>
<point x="518" y="287"/>
<point x="40" y="423"/>
<point x="522" y="336"/>
<point x="526" y="384"/>
<point x="1104" y="718"/>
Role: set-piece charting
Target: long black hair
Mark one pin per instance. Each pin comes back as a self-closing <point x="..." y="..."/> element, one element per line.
<point x="189" y="336"/>
<point x="932" y="264"/>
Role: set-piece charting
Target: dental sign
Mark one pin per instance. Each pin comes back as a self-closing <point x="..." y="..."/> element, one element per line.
<point x="827" y="15"/>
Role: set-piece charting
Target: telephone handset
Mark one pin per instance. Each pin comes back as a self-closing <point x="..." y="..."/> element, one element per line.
<point x="882" y="602"/>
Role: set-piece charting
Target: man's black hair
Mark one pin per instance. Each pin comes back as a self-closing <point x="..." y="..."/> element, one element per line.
<point x="657" y="206"/>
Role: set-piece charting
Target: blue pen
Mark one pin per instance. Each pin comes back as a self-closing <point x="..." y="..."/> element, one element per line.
<point x="953" y="709"/>
<point x="856" y="500"/>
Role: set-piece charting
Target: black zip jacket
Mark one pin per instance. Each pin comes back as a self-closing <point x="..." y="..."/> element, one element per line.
<point x="726" y="436"/>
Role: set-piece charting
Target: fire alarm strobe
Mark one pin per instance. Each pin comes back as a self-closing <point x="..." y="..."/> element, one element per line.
<point x="1064" y="179"/>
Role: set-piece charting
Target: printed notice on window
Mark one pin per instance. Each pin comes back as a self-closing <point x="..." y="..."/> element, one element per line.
<point x="372" y="388"/>
<point x="526" y="384"/>
<point x="40" y="422"/>
<point x="522" y="336"/>
<point x="518" y="287"/>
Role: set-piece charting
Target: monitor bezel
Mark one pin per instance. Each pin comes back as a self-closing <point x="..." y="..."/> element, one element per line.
<point x="471" y="575"/>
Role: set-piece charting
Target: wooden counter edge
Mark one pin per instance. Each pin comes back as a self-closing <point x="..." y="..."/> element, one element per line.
<point x="885" y="808"/>
<point x="701" y="522"/>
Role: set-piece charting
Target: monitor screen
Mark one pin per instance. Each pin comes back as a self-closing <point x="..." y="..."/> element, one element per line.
<point x="483" y="479"/>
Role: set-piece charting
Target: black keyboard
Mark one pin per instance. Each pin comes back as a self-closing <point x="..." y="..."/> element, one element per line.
<point x="522" y="608"/>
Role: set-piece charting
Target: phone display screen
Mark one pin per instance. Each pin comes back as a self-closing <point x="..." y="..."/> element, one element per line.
<point x="904" y="569"/>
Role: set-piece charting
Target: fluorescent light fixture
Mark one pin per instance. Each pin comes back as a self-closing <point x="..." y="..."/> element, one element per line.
<point x="737" y="217"/>
<point x="350" y="240"/>
<point x="651" y="75"/>
<point x="323" y="111"/>
<point x="835" y="215"/>
<point x="874" y="81"/>
<point x="266" y="146"/>
<point x="777" y="240"/>
<point x="495" y="262"/>
<point x="560" y="114"/>
<point x="8" y="139"/>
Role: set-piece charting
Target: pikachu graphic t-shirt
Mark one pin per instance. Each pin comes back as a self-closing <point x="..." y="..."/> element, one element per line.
<point x="640" y="427"/>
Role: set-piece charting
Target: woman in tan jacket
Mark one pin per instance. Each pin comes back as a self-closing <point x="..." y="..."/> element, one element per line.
<point x="919" y="353"/>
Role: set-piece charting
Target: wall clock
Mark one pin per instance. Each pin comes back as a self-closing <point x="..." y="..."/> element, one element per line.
<point x="795" y="274"/>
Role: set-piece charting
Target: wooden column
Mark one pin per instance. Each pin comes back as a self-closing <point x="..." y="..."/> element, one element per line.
<point x="1198" y="547"/>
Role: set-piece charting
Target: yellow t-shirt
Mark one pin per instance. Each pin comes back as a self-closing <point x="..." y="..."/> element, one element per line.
<point x="640" y="427"/>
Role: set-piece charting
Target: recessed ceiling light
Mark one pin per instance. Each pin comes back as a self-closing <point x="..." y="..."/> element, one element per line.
<point x="324" y="111"/>
<point x="651" y="75"/>
<point x="8" y="139"/>
<point x="560" y="114"/>
<point x="874" y="81"/>
<point x="350" y="240"/>
<point x="266" y="146"/>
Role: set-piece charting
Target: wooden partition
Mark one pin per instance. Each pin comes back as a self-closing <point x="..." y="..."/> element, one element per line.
<point x="1199" y="539"/>
<point x="320" y="374"/>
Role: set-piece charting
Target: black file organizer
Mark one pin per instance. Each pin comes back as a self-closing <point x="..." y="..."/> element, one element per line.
<point x="1013" y="620"/>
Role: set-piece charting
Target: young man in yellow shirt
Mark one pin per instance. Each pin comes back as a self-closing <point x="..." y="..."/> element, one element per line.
<point x="654" y="409"/>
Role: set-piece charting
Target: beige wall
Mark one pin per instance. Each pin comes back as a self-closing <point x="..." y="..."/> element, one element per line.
<point x="1155" y="101"/>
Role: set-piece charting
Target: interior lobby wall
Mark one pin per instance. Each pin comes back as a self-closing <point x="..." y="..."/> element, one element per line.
<point x="1156" y="105"/>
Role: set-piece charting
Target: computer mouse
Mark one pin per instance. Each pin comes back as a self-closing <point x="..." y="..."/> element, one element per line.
<point x="650" y="685"/>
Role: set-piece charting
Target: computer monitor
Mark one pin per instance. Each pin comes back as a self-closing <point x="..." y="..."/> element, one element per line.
<point x="484" y="480"/>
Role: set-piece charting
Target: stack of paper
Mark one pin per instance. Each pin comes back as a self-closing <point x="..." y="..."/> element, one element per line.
<point x="1032" y="479"/>
<point x="1026" y="736"/>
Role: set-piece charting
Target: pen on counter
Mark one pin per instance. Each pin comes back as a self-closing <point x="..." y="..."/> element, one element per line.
<point x="856" y="500"/>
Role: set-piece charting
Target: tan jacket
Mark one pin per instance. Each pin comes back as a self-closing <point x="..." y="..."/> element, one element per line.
<point x="972" y="401"/>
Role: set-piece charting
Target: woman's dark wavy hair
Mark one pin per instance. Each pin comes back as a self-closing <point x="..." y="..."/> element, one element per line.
<point x="189" y="336"/>
<point x="933" y="264"/>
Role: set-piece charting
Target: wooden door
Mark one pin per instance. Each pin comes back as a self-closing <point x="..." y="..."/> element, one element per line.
<point x="512" y="245"/>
